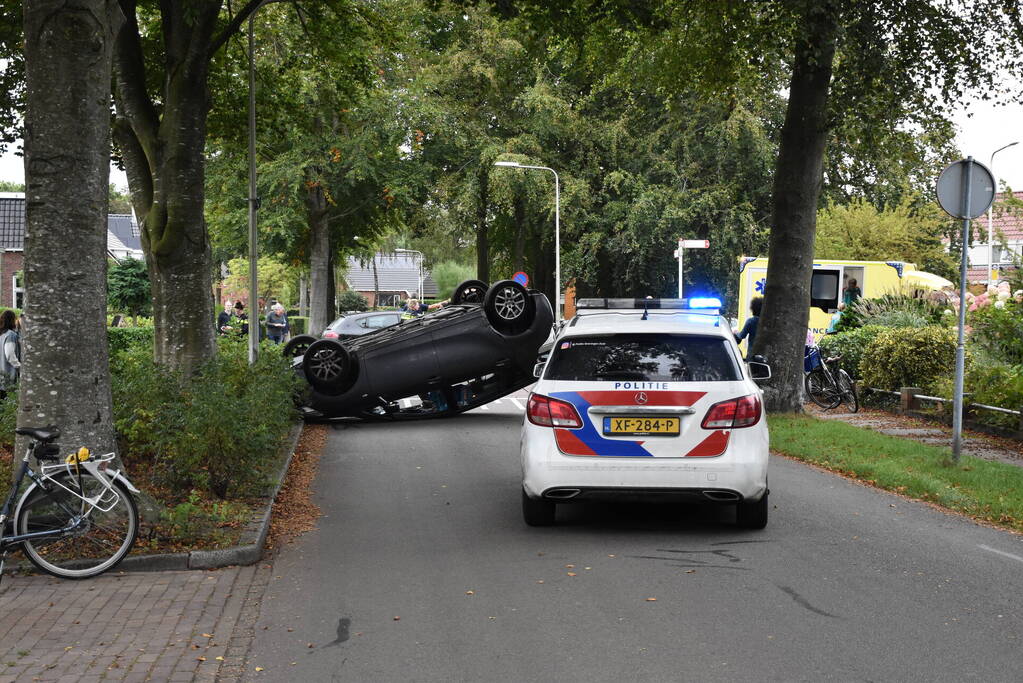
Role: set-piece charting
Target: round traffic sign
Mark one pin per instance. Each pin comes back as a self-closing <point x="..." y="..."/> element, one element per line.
<point x="952" y="189"/>
<point x="521" y="278"/>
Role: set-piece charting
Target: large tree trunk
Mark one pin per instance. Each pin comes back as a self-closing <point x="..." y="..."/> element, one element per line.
<point x="303" y="296"/>
<point x="482" y="234"/>
<point x="797" y="183"/>
<point x="321" y="294"/>
<point x="65" y="376"/>
<point x="165" y="163"/>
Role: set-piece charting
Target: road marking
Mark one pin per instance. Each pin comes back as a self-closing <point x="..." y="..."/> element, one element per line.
<point x="517" y="402"/>
<point x="1001" y="552"/>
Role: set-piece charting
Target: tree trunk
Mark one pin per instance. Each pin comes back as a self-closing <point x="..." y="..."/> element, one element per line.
<point x="482" y="236"/>
<point x="303" y="296"/>
<point x="797" y="183"/>
<point x="164" y="158"/>
<point x="65" y="375"/>
<point x="321" y="297"/>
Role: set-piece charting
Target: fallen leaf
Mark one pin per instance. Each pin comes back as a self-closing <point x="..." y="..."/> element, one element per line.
<point x="470" y="593"/>
<point x="690" y="571"/>
<point x="589" y="567"/>
<point x="610" y="555"/>
<point x="309" y="645"/>
<point x="207" y="635"/>
<point x="219" y="659"/>
<point x="259" y="668"/>
<point x="540" y="581"/>
<point x="569" y="566"/>
<point x="571" y="573"/>
<point x="201" y="659"/>
<point x="397" y="618"/>
<point x="651" y="599"/>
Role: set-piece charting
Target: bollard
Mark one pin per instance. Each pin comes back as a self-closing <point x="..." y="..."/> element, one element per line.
<point x="907" y="399"/>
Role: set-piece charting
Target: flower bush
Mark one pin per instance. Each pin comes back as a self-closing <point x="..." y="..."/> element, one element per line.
<point x="998" y="330"/>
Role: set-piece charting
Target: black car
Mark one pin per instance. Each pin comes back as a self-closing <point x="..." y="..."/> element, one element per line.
<point x="481" y="347"/>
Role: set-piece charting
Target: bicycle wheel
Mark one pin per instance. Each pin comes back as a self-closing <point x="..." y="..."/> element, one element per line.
<point x="848" y="389"/>
<point x="94" y="541"/>
<point x="820" y="390"/>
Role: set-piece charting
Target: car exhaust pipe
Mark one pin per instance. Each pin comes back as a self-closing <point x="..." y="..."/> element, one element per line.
<point x="562" y="494"/>
<point x="722" y="496"/>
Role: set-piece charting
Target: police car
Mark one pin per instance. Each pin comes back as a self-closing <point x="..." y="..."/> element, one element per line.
<point x="646" y="399"/>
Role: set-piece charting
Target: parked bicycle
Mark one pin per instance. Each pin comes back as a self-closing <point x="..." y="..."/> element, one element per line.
<point x="826" y="384"/>
<point x="77" y="518"/>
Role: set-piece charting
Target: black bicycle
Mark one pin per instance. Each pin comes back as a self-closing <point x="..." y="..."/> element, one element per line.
<point x="77" y="518"/>
<point x="825" y="386"/>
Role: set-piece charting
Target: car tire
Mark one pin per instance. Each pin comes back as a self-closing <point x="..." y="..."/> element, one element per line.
<point x="469" y="292"/>
<point x="327" y="365"/>
<point x="752" y="514"/>
<point x="297" y="345"/>
<point x="537" y="511"/>
<point x="509" y="307"/>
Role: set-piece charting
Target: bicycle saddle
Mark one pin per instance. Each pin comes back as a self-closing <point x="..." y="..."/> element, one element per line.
<point x="40" y="434"/>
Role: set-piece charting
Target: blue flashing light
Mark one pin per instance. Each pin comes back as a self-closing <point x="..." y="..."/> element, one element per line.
<point x="704" y="302"/>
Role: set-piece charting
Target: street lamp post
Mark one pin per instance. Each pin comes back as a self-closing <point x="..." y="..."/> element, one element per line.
<point x="253" y="199"/>
<point x="557" y="229"/>
<point x="421" y="294"/>
<point x="990" y="219"/>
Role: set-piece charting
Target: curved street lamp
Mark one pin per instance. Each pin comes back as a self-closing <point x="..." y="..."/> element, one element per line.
<point x="990" y="216"/>
<point x="557" y="229"/>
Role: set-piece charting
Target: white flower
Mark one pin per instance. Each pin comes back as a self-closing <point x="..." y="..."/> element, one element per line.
<point x="1000" y="303"/>
<point x="947" y="311"/>
<point x="1002" y="296"/>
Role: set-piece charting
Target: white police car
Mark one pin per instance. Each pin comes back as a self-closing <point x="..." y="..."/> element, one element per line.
<point x="646" y="399"/>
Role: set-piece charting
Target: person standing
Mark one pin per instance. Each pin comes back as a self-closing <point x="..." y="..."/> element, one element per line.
<point x="224" y="318"/>
<point x="277" y="326"/>
<point x="749" y="330"/>
<point x="239" y="313"/>
<point x="852" y="292"/>
<point x="10" y="352"/>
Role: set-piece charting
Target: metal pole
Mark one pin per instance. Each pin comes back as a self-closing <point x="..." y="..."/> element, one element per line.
<point x="957" y="396"/>
<point x="681" y="268"/>
<point x="990" y="217"/>
<point x="253" y="206"/>
<point x="557" y="242"/>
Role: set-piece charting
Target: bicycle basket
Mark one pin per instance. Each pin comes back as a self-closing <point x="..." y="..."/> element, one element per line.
<point x="812" y="359"/>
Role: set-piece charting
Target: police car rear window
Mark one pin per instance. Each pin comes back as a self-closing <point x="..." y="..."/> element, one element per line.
<point x="643" y="357"/>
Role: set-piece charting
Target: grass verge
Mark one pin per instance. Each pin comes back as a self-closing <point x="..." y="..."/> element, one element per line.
<point x="987" y="491"/>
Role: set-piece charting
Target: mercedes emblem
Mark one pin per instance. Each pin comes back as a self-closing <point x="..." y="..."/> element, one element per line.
<point x="641" y="398"/>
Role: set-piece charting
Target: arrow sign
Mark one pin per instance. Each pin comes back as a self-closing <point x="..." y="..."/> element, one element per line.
<point x="695" y="244"/>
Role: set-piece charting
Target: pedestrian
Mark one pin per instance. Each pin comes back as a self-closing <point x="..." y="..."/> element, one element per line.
<point x="852" y="292"/>
<point x="835" y="318"/>
<point x="414" y="308"/>
<point x="277" y="326"/>
<point x="239" y="313"/>
<point x="749" y="330"/>
<point x="10" y="352"/>
<point x="224" y="318"/>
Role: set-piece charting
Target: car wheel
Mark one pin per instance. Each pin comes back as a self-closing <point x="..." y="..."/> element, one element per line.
<point x="537" y="511"/>
<point x="297" y="345"/>
<point x="469" y="292"/>
<point x="509" y="307"/>
<point x="327" y="364"/>
<point x="752" y="515"/>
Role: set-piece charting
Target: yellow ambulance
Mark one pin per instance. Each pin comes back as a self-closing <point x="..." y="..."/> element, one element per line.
<point x="831" y="280"/>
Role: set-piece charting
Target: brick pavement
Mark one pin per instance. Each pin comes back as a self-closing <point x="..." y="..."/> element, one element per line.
<point x="130" y="627"/>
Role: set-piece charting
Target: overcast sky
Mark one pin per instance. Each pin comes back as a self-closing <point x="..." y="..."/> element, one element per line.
<point x="986" y="130"/>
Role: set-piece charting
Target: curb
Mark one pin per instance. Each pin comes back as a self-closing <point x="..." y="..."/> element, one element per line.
<point x="243" y="554"/>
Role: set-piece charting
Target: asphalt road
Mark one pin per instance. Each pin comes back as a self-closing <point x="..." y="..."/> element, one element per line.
<point x="422" y="570"/>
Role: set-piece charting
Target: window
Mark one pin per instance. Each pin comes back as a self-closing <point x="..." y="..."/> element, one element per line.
<point x="18" y="288"/>
<point x="824" y="289"/>
<point x="643" y="357"/>
<point x="377" y="321"/>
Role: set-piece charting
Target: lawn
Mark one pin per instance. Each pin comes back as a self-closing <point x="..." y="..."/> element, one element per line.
<point x="988" y="491"/>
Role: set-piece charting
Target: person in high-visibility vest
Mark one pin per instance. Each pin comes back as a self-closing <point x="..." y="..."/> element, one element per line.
<point x="414" y="309"/>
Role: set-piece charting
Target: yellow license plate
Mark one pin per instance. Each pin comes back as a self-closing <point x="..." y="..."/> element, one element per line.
<point x="656" y="426"/>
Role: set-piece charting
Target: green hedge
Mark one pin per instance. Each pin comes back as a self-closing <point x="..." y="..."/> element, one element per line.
<point x="850" y="345"/>
<point x="906" y="357"/>
<point x="299" y="325"/>
<point x="125" y="338"/>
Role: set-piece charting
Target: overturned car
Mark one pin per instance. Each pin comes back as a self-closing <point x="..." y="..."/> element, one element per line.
<point x="481" y="347"/>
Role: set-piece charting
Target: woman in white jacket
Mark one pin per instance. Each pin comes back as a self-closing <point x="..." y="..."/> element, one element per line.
<point x="10" y="352"/>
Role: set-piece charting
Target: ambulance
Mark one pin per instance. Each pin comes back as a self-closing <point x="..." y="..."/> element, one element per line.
<point x="830" y="280"/>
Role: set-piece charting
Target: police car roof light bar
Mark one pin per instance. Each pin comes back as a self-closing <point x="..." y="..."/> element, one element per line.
<point x="708" y="304"/>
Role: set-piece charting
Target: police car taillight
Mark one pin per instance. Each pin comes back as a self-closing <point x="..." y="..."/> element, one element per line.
<point x="733" y="414"/>
<point x="545" y="411"/>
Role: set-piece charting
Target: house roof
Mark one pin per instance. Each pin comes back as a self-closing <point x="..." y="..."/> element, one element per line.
<point x="122" y="230"/>
<point x="395" y="273"/>
<point x="1007" y="221"/>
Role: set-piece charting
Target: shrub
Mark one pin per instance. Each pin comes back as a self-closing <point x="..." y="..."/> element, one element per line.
<point x="999" y="331"/>
<point x="850" y="345"/>
<point x="896" y="310"/>
<point x="450" y="274"/>
<point x="993" y="384"/>
<point x="352" y="301"/>
<point x="125" y="338"/>
<point x="219" y="430"/>
<point x="299" y="325"/>
<point x="906" y="357"/>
